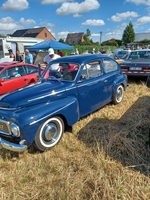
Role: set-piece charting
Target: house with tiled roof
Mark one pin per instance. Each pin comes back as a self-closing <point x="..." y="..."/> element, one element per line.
<point x="75" y="38"/>
<point x="41" y="33"/>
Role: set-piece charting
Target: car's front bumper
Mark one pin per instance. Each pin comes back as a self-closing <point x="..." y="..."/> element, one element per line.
<point x="21" y="147"/>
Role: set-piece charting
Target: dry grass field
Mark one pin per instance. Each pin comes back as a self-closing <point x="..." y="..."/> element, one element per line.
<point x="105" y="157"/>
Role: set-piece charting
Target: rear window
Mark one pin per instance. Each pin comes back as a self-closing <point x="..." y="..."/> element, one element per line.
<point x="110" y="66"/>
<point x="122" y="52"/>
<point x="139" y="55"/>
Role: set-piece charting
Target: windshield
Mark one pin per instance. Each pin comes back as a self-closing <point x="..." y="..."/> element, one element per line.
<point x="61" y="71"/>
<point x="144" y="55"/>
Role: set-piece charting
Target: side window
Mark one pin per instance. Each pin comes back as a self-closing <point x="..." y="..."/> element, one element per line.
<point x="14" y="72"/>
<point x="21" y="71"/>
<point x="94" y="69"/>
<point x="31" y="70"/>
<point x="91" y="69"/>
<point x="110" y="66"/>
<point x="3" y="75"/>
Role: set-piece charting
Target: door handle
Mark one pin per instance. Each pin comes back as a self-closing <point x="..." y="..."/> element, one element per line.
<point x="26" y="79"/>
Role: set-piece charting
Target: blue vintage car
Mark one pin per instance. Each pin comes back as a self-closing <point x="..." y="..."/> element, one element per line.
<point x="39" y="113"/>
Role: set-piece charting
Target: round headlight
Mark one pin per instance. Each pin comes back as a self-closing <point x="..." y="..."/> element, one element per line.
<point x="15" y="129"/>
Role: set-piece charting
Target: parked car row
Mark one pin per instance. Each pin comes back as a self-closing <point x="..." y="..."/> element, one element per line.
<point x="137" y="63"/>
<point x="39" y="113"/>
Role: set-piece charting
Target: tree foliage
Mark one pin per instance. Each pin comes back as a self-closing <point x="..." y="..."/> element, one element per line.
<point x="128" y="34"/>
<point x="87" y="39"/>
<point x="61" y="40"/>
<point x="112" y="42"/>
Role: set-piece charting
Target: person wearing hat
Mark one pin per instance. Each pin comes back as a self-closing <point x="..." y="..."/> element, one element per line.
<point x="11" y="54"/>
<point x="51" y="56"/>
<point x="54" y="68"/>
<point x="29" y="57"/>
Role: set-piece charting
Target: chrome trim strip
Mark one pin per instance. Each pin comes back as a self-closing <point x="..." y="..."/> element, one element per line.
<point x="11" y="146"/>
<point x="53" y="93"/>
<point x="50" y="114"/>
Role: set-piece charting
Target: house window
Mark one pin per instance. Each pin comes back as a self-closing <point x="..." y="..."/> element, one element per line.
<point x="45" y="34"/>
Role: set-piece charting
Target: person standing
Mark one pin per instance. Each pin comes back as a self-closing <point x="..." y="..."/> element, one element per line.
<point x="55" y="68"/>
<point x="76" y="52"/>
<point x="11" y="54"/>
<point x="60" y="53"/>
<point x="51" y="56"/>
<point x="29" y="57"/>
<point x="18" y="56"/>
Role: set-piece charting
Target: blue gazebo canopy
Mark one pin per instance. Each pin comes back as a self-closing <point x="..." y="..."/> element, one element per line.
<point x="46" y="44"/>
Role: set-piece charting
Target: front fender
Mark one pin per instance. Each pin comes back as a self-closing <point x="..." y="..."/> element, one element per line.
<point x="30" y="119"/>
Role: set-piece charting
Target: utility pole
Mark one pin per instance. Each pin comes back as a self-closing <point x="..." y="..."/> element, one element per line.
<point x="100" y="37"/>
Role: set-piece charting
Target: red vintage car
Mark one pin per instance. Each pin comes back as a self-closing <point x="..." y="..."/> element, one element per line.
<point x="14" y="75"/>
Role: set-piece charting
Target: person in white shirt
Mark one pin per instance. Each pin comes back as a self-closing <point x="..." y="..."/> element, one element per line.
<point x="54" y="68"/>
<point x="51" y="56"/>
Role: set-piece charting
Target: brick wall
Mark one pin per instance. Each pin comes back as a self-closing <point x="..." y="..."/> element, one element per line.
<point x="46" y="35"/>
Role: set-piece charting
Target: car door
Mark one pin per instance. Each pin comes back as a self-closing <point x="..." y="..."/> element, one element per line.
<point x="111" y="72"/>
<point x="12" y="79"/>
<point x="91" y="88"/>
<point x="32" y="73"/>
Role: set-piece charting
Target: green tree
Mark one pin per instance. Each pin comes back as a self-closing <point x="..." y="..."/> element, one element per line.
<point x="61" y="40"/>
<point x="88" y="33"/>
<point x="128" y="34"/>
<point x="87" y="39"/>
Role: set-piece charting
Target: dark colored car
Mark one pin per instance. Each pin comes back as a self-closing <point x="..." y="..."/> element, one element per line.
<point x="137" y="63"/>
<point x="14" y="75"/>
<point x="39" y="114"/>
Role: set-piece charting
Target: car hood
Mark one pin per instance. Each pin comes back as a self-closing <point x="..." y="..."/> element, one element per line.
<point x="40" y="92"/>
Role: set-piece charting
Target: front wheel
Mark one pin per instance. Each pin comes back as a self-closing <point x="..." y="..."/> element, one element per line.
<point x="49" y="133"/>
<point x="118" y="94"/>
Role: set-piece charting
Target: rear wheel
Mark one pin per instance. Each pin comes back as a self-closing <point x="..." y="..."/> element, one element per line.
<point x="49" y="133"/>
<point x="118" y="95"/>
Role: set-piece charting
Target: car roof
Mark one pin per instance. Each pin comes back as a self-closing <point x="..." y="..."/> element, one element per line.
<point x="80" y="58"/>
<point x="137" y="50"/>
<point x="10" y="64"/>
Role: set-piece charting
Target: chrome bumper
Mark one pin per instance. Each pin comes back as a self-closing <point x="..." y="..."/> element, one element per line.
<point x="13" y="147"/>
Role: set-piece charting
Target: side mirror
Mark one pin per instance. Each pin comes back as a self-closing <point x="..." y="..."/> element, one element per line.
<point x="148" y="81"/>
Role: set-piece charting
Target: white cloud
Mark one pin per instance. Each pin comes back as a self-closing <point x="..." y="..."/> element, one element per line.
<point x="15" y="5"/>
<point x="8" y="25"/>
<point x="77" y="15"/>
<point x="52" y="1"/>
<point x="93" y="22"/>
<point x="62" y="35"/>
<point x="27" y="22"/>
<point x="138" y="2"/>
<point x="75" y="7"/>
<point x="47" y="24"/>
<point x="143" y="20"/>
<point x="122" y="16"/>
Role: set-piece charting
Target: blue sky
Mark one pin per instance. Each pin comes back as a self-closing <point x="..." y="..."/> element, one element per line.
<point x="61" y="17"/>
